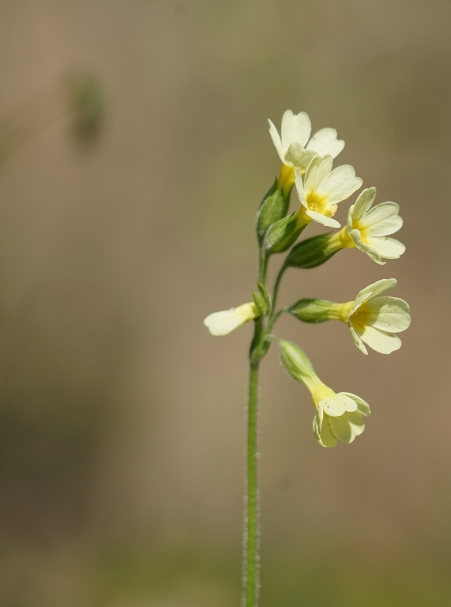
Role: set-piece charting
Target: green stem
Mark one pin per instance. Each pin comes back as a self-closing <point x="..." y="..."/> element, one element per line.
<point x="251" y="530"/>
<point x="263" y="259"/>
<point x="273" y="316"/>
<point x="251" y="557"/>
<point x="276" y="289"/>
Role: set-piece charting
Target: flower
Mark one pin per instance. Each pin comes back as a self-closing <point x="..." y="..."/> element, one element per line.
<point x="374" y="320"/>
<point x="291" y="146"/>
<point x="322" y="189"/>
<point x="222" y="323"/>
<point x="368" y="229"/>
<point x="339" y="417"/>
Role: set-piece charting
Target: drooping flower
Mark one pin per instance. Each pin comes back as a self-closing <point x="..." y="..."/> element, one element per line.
<point x="339" y="416"/>
<point x="226" y="321"/>
<point x="322" y="188"/>
<point x="292" y="145"/>
<point x="368" y="229"/>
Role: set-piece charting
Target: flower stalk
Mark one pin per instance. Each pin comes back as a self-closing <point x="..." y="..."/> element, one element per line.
<point x="373" y="318"/>
<point x="251" y="557"/>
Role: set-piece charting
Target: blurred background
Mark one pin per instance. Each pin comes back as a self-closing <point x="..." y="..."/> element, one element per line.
<point x="134" y="151"/>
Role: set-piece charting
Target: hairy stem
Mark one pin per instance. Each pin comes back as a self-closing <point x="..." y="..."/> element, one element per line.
<point x="251" y="582"/>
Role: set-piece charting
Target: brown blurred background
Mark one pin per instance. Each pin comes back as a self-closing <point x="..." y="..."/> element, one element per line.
<point x="134" y="150"/>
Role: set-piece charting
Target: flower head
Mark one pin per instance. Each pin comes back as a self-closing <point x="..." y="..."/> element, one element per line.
<point x="322" y="189"/>
<point x="374" y="320"/>
<point x="368" y="229"/>
<point x="292" y="145"/>
<point x="222" y="323"/>
<point x="339" y="417"/>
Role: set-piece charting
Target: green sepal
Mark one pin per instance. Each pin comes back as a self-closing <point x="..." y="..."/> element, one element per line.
<point x="260" y="303"/>
<point x="273" y="207"/>
<point x="311" y="252"/>
<point x="295" y="361"/>
<point x="262" y="299"/>
<point x="283" y="234"/>
<point x="311" y="310"/>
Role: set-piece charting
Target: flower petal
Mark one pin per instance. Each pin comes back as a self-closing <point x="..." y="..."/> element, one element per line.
<point x="347" y="427"/>
<point x="300" y="189"/>
<point x="388" y="314"/>
<point x="371" y="291"/>
<point x="298" y="156"/>
<point x="386" y="247"/>
<point x="358" y="342"/>
<point x="317" y="172"/>
<point x="295" y="127"/>
<point x="325" y="143"/>
<point x="348" y="403"/>
<point x="362" y="405"/>
<point x="337" y="404"/>
<point x="383" y="219"/>
<point x="276" y="140"/>
<point x="380" y="341"/>
<point x="226" y="321"/>
<point x="361" y="206"/>
<point x="362" y="246"/>
<point x="323" y="432"/>
<point x="340" y="184"/>
<point x="322" y="219"/>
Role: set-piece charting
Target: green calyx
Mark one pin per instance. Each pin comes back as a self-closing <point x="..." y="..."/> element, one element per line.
<point x="295" y="361"/>
<point x="311" y="310"/>
<point x="312" y="252"/>
<point x="262" y="299"/>
<point x="273" y="208"/>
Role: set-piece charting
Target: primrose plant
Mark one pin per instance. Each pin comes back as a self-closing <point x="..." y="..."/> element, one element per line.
<point x="373" y="317"/>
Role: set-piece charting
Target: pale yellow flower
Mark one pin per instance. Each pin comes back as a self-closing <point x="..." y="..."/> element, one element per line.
<point x="226" y="321"/>
<point x="321" y="189"/>
<point x="339" y="416"/>
<point x="292" y="146"/>
<point x="374" y="319"/>
<point x="368" y="229"/>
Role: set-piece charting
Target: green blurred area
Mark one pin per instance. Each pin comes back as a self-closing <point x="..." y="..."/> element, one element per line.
<point x="134" y="151"/>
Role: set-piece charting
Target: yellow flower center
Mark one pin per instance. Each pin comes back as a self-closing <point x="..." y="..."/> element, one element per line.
<point x="359" y="319"/>
<point x="362" y="229"/>
<point x="318" y="204"/>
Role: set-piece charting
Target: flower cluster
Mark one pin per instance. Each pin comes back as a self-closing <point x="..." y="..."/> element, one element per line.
<point x="373" y="318"/>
